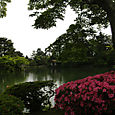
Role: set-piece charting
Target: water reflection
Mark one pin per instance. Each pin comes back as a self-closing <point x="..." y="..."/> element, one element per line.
<point x="31" y="77"/>
<point x="58" y="75"/>
<point x="62" y="75"/>
<point x="11" y="78"/>
<point x="44" y="74"/>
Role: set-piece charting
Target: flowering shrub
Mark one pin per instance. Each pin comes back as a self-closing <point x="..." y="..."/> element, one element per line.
<point x="93" y="95"/>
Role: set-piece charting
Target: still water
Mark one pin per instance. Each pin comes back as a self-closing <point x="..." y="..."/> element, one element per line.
<point x="58" y="75"/>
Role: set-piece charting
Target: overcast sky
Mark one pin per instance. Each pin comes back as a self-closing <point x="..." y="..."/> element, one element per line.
<point x="17" y="26"/>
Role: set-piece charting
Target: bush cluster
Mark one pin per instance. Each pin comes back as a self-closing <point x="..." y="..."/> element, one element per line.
<point x="10" y="105"/>
<point x="35" y="95"/>
<point x="93" y="95"/>
<point x="13" y="63"/>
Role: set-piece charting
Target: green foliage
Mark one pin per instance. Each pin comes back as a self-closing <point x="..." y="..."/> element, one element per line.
<point x="81" y="45"/>
<point x="13" y="63"/>
<point x="36" y="95"/>
<point x="48" y="11"/>
<point x="10" y="105"/>
<point x="98" y="12"/>
<point x="73" y="46"/>
<point x="3" y="9"/>
<point x="7" y="48"/>
<point x="111" y="57"/>
<point x="50" y="15"/>
<point x="100" y="49"/>
<point x="38" y="58"/>
<point x="20" y="62"/>
<point x="7" y="62"/>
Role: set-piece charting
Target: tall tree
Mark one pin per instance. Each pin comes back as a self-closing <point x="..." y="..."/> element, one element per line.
<point x="18" y="53"/>
<point x="97" y="11"/>
<point x="38" y="57"/>
<point x="6" y="47"/>
<point x="3" y="9"/>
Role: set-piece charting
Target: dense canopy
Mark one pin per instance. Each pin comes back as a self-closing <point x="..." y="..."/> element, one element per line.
<point x="96" y="11"/>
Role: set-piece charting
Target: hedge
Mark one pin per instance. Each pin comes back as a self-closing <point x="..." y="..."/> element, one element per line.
<point x="10" y="105"/>
<point x="36" y="95"/>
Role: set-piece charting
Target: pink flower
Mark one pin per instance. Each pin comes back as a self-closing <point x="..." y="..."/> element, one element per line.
<point x="90" y="93"/>
<point x="66" y="113"/>
<point x="111" y="95"/>
<point x="105" y="108"/>
<point x="81" y="104"/>
<point x="96" y="89"/>
<point x="84" y="97"/>
<point x="72" y="113"/>
<point x="105" y="84"/>
<point x="103" y="105"/>
<point x="90" y="88"/>
<point x="89" y="104"/>
<point x="104" y="90"/>
<point x="88" y="97"/>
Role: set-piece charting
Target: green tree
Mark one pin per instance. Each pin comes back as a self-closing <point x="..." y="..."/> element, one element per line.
<point x="100" y="49"/>
<point x="18" y="53"/>
<point x="13" y="63"/>
<point x="97" y="11"/>
<point x="74" y="47"/>
<point x="20" y="62"/>
<point x="6" y="47"/>
<point x="39" y="52"/>
<point x="38" y="57"/>
<point x="3" y="9"/>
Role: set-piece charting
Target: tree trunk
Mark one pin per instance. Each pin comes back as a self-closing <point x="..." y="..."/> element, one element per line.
<point x="109" y="7"/>
<point x="112" y="23"/>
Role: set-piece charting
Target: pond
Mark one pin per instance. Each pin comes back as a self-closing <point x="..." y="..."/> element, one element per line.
<point x="59" y="75"/>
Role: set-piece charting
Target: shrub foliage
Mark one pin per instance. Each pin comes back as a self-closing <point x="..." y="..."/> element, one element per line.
<point x="93" y="95"/>
<point x="13" y="63"/>
<point x="36" y="95"/>
<point x="11" y="105"/>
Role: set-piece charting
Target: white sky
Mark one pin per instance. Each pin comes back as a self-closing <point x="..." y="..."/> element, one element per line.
<point x="17" y="26"/>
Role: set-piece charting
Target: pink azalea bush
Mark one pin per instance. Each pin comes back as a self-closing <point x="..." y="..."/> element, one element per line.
<point x="93" y="95"/>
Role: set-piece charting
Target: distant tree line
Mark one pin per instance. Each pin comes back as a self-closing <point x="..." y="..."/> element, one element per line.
<point x="81" y="45"/>
<point x="38" y="58"/>
<point x="83" y="42"/>
<point x="10" y="59"/>
<point x="77" y="49"/>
